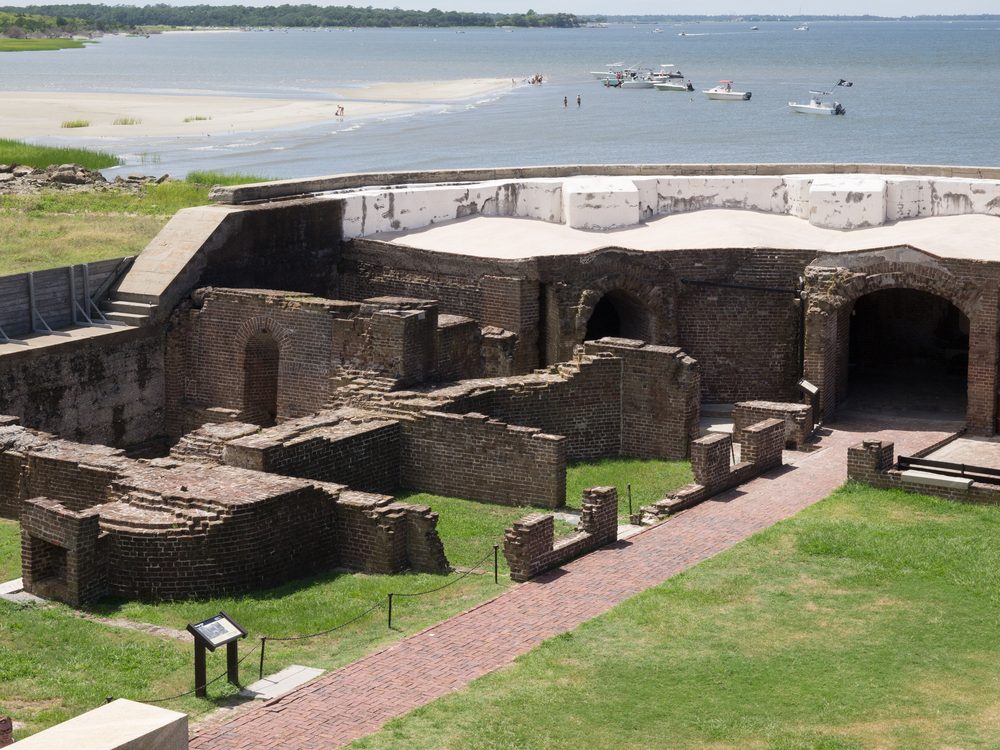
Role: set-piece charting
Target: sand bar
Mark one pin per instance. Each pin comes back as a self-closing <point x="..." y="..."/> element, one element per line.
<point x="41" y="114"/>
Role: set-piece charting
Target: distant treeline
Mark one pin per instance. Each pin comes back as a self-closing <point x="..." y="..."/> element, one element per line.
<point x="112" y="17"/>
<point x="797" y="19"/>
<point x="30" y="23"/>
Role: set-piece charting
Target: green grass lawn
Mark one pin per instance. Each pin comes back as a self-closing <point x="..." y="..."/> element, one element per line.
<point x="38" y="45"/>
<point x="62" y="227"/>
<point x="650" y="480"/>
<point x="10" y="550"/>
<point x="867" y="621"/>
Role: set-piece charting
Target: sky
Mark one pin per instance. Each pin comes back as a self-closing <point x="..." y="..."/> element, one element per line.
<point x="625" y="7"/>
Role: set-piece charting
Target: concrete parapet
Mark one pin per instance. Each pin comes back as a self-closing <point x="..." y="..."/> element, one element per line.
<point x="119" y="725"/>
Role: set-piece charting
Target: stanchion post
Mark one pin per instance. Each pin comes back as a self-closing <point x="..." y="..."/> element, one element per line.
<point x="496" y="563"/>
<point x="390" y="610"/>
<point x="233" y="662"/>
<point x="200" y="678"/>
<point x="630" y="499"/>
<point x="263" y="643"/>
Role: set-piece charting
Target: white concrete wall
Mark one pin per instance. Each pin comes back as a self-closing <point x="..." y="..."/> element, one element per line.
<point x="838" y="201"/>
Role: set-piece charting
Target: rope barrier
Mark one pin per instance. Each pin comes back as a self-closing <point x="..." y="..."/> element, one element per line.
<point x="470" y="571"/>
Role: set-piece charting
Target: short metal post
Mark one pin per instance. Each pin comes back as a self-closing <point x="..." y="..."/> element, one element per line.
<point x="496" y="563"/>
<point x="263" y="643"/>
<point x="390" y="611"/>
<point x="233" y="662"/>
<point x="630" y="499"/>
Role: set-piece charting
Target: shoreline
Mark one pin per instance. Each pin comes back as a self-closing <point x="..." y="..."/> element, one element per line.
<point x="35" y="114"/>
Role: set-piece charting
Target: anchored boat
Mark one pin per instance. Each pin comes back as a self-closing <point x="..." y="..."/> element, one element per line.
<point x="818" y="105"/>
<point x="725" y="92"/>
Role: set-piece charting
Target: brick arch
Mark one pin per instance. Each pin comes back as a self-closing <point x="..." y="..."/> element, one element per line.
<point x="831" y="292"/>
<point x="640" y="302"/>
<point x="262" y="346"/>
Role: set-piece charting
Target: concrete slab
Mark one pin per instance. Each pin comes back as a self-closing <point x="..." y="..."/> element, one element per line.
<point x="13" y="591"/>
<point x="119" y="725"/>
<point x="280" y="683"/>
<point x="970" y="450"/>
<point x="927" y="479"/>
<point x="12" y="587"/>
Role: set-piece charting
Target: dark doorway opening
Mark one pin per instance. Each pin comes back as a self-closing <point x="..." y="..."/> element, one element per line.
<point x="908" y="352"/>
<point x="620" y="315"/>
<point x="260" y="380"/>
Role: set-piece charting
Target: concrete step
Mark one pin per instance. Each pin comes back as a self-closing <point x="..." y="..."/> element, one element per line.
<point x="150" y="299"/>
<point x="126" y="306"/>
<point x="129" y="319"/>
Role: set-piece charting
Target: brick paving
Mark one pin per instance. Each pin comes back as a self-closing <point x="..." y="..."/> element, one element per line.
<point x="359" y="698"/>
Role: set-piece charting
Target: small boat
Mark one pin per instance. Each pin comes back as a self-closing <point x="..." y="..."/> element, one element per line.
<point x="630" y="78"/>
<point x="724" y="92"/>
<point x="613" y="68"/>
<point x="801" y="27"/>
<point x="818" y="105"/>
<point x="657" y="31"/>
<point x="754" y="28"/>
<point x="673" y="86"/>
<point x="665" y="73"/>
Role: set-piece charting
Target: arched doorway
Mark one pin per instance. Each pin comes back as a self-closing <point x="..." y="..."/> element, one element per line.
<point x="260" y="380"/>
<point x="620" y="315"/>
<point x="908" y="351"/>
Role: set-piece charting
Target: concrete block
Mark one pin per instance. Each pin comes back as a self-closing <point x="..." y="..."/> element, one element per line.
<point x="847" y="201"/>
<point x="907" y="198"/>
<point x="600" y="202"/>
<point x="119" y="725"/>
<point x="281" y="683"/>
<point x="927" y="479"/>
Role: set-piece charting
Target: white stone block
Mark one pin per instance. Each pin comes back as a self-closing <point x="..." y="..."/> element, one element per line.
<point x="797" y="187"/>
<point x="119" y="725"/>
<point x="600" y="202"/>
<point x="649" y="199"/>
<point x="907" y="198"/>
<point x="847" y="201"/>
<point x="951" y="197"/>
<point x="539" y="199"/>
<point x="929" y="479"/>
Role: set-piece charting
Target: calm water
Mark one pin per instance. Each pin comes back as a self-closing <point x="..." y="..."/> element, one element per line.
<point x="924" y="93"/>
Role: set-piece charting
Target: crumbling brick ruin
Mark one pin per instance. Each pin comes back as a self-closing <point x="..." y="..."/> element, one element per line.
<point x="304" y="349"/>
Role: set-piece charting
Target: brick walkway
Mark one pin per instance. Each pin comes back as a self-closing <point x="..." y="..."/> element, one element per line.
<point x="359" y="698"/>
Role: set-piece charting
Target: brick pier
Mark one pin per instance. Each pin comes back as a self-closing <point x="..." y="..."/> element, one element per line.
<point x="359" y="698"/>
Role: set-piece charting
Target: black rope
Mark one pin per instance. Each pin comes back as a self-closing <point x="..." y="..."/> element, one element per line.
<point x="324" y="632"/>
<point x="201" y="687"/>
<point x="446" y="585"/>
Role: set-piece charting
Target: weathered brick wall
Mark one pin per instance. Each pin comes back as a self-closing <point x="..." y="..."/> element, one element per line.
<point x="102" y="390"/>
<point x="474" y="457"/>
<point x="797" y="418"/>
<point x="62" y="554"/>
<point x="529" y="544"/>
<point x="459" y="348"/>
<point x="360" y="454"/>
<point x="762" y="444"/>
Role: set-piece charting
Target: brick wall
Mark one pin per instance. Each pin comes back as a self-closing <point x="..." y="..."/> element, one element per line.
<point x="797" y="418"/>
<point x="529" y="544"/>
<point x="475" y="457"/>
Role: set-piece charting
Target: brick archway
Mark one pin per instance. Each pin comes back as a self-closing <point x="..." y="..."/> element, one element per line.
<point x="834" y="284"/>
<point x="261" y="346"/>
<point x="634" y="304"/>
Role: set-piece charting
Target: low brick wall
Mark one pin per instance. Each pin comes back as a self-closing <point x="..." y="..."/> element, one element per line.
<point x="798" y="419"/>
<point x="873" y="461"/>
<point x="529" y="544"/>
<point x="714" y="472"/>
<point x="475" y="457"/>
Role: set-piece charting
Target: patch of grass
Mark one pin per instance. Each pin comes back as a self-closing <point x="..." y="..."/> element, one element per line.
<point x="127" y="121"/>
<point x="222" y="178"/>
<point x="75" y="124"/>
<point x="868" y="620"/>
<point x="18" y="152"/>
<point x="650" y="480"/>
<point x="38" y="45"/>
<point x="10" y="550"/>
<point x="197" y="118"/>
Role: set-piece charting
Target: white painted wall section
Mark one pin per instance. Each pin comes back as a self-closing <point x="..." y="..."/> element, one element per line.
<point x="847" y="201"/>
<point x="600" y="202"/>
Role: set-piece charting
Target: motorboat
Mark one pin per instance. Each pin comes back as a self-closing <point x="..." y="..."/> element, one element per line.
<point x="801" y="27"/>
<point x="725" y="92"/>
<point x="613" y="68"/>
<point x="755" y="28"/>
<point x="630" y="78"/>
<point x="665" y="73"/>
<point x="819" y="104"/>
<point x="673" y="86"/>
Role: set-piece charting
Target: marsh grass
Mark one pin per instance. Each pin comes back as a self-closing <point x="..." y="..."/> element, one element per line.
<point x="868" y="620"/>
<point x="197" y="118"/>
<point x="39" y="45"/>
<point x="19" y="152"/>
<point x="127" y="121"/>
<point x="75" y="124"/>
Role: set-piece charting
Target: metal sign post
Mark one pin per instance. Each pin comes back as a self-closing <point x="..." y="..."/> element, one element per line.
<point x="221" y="630"/>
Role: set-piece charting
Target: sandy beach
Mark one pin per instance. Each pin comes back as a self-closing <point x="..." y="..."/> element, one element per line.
<point x="41" y="115"/>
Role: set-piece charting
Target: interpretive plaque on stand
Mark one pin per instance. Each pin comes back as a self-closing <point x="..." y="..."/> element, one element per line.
<point x="210" y="634"/>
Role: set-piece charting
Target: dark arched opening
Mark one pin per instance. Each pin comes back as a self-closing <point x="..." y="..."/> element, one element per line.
<point x="908" y="352"/>
<point x="620" y="315"/>
<point x="260" y="380"/>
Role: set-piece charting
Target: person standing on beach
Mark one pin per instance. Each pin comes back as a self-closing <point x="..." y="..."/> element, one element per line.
<point x="565" y="102"/>
<point x="577" y="101"/>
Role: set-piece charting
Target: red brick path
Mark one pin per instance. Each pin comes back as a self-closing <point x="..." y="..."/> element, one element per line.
<point x="359" y="698"/>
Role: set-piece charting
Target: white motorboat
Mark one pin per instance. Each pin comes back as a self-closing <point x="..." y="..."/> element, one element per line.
<point x="613" y="69"/>
<point x="665" y="73"/>
<point x="819" y="104"/>
<point x="755" y="28"/>
<point x="673" y="86"/>
<point x="801" y="27"/>
<point x="725" y="92"/>
<point x="630" y="78"/>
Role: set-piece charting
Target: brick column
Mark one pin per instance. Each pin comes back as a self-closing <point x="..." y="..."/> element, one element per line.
<point x="869" y="458"/>
<point x="599" y="516"/>
<point x="512" y="303"/>
<point x="762" y="444"/>
<point x="710" y="459"/>
<point x="981" y="408"/>
<point x="527" y="542"/>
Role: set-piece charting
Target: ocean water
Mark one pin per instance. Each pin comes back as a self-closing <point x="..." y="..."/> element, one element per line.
<point x="924" y="92"/>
